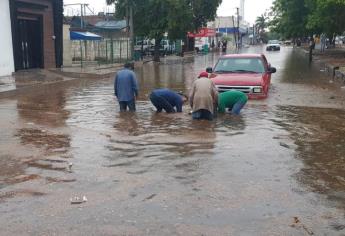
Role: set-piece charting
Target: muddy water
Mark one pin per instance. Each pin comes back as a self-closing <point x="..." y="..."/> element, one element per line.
<point x="278" y="169"/>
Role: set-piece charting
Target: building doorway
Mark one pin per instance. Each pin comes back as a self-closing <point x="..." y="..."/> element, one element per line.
<point x="30" y="40"/>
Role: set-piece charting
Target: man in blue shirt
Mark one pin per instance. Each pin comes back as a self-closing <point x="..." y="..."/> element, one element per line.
<point x="126" y="88"/>
<point x="167" y="100"/>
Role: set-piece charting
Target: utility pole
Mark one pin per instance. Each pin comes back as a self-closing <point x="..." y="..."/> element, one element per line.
<point x="131" y="28"/>
<point x="82" y="11"/>
<point x="238" y="26"/>
<point x="253" y="34"/>
<point x="81" y="16"/>
<point x="235" y="35"/>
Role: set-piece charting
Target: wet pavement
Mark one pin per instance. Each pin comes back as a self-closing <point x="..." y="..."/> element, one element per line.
<point x="278" y="169"/>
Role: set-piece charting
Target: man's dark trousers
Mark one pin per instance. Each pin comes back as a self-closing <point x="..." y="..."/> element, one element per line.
<point x="161" y="103"/>
<point x="129" y="104"/>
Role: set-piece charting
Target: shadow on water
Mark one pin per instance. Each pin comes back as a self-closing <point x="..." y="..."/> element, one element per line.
<point x="319" y="136"/>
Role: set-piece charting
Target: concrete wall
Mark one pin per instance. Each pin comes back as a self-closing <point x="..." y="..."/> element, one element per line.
<point x="6" y="49"/>
<point x="67" y="47"/>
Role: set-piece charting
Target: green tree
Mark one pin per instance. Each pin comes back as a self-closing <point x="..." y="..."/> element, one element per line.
<point x="261" y="25"/>
<point x="327" y="16"/>
<point x="154" y="18"/>
<point x="289" y="18"/>
<point x="297" y="18"/>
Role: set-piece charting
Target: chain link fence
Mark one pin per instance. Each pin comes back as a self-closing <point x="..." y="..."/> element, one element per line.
<point x="107" y="51"/>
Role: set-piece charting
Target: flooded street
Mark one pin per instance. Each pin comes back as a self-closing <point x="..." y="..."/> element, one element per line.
<point x="278" y="169"/>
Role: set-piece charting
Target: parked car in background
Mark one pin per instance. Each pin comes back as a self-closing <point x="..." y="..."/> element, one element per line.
<point x="287" y="42"/>
<point x="143" y="47"/>
<point x="200" y="43"/>
<point x="340" y="39"/>
<point x="168" y="46"/>
<point x="273" y="45"/>
<point x="165" y="48"/>
<point x="248" y="73"/>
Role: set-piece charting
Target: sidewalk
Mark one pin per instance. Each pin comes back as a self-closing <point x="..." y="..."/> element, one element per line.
<point x="30" y="79"/>
<point x="333" y="61"/>
<point x="96" y="72"/>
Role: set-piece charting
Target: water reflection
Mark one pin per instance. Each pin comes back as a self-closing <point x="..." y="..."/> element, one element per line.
<point x="319" y="136"/>
<point x="171" y="143"/>
<point x="127" y="123"/>
<point x="44" y="108"/>
<point x="231" y="123"/>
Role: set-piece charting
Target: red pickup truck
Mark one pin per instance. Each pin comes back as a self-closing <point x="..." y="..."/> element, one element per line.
<point x="249" y="73"/>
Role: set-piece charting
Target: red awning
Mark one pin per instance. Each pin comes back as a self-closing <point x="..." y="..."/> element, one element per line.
<point x="203" y="32"/>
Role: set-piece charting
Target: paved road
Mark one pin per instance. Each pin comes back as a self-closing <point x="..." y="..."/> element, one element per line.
<point x="276" y="170"/>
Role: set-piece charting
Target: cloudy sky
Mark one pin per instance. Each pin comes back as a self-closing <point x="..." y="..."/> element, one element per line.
<point x="253" y="8"/>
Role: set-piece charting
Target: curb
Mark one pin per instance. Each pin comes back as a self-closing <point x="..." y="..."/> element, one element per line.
<point x="34" y="87"/>
<point x="69" y="78"/>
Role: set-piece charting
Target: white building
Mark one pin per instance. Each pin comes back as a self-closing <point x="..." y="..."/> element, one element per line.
<point x="6" y="50"/>
<point x="242" y="10"/>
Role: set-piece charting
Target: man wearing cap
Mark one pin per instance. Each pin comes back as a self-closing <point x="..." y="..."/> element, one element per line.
<point x="126" y="87"/>
<point x="168" y="100"/>
<point x="203" y="98"/>
<point x="233" y="100"/>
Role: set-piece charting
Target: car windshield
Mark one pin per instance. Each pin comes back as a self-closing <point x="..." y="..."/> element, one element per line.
<point x="273" y="42"/>
<point x="239" y="65"/>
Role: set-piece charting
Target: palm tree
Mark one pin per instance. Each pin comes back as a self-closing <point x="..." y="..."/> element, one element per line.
<point x="261" y="24"/>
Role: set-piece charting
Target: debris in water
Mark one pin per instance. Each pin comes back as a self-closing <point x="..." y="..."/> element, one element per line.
<point x="150" y="197"/>
<point x="284" y="145"/>
<point x="331" y="97"/>
<point x="298" y="224"/>
<point x="78" y="200"/>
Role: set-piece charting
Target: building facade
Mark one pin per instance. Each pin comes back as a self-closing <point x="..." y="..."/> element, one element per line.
<point x="35" y="33"/>
<point x="6" y="49"/>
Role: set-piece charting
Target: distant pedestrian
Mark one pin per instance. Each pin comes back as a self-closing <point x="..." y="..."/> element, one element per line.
<point x="224" y="45"/>
<point x="203" y="98"/>
<point x="168" y="100"/>
<point x="219" y="44"/>
<point x="311" y="48"/>
<point x="323" y="40"/>
<point x="126" y="87"/>
<point x="233" y="100"/>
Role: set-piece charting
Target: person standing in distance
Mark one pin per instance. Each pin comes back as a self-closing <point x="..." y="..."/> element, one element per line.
<point x="126" y="87"/>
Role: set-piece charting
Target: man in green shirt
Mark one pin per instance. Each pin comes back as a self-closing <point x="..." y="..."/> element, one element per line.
<point x="233" y="100"/>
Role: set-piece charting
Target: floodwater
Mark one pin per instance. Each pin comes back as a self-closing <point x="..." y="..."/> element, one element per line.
<point x="278" y="169"/>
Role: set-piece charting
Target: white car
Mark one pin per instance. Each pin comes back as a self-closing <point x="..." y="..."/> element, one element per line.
<point x="145" y="45"/>
<point x="200" y="43"/>
<point x="273" y="45"/>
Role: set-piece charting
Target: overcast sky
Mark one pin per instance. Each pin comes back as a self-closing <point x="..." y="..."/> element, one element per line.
<point x="253" y="8"/>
